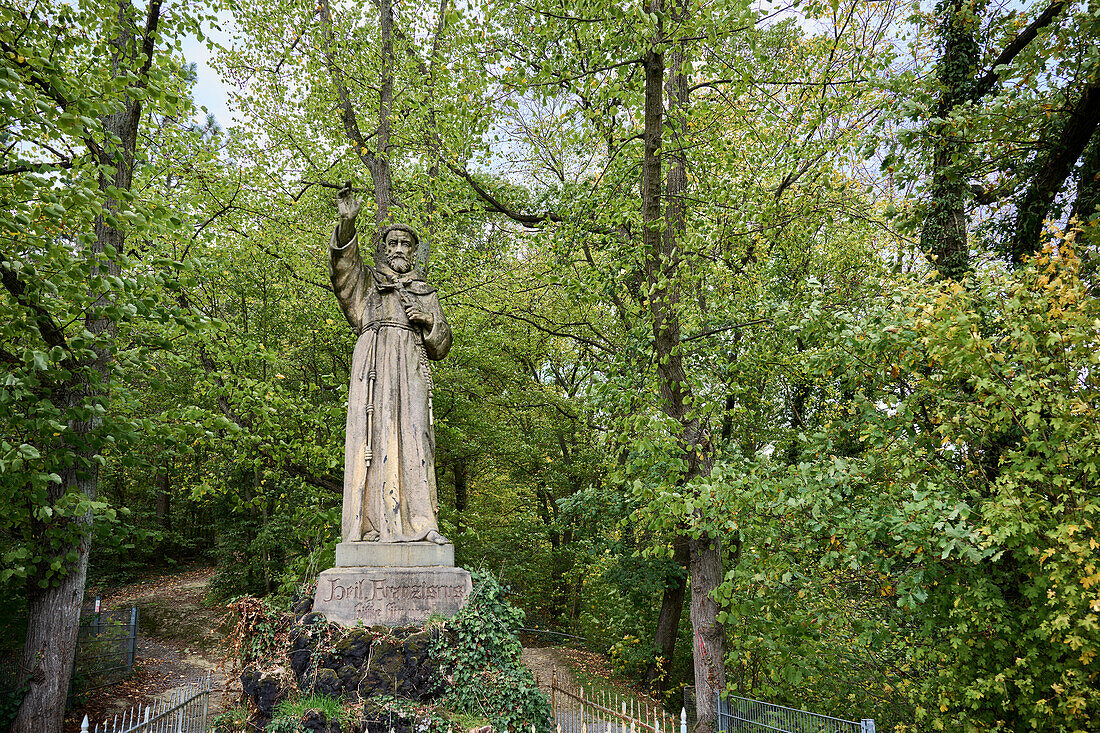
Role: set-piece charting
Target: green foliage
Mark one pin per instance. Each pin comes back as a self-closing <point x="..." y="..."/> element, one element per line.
<point x="935" y="563"/>
<point x="231" y="720"/>
<point x="905" y="471"/>
<point x="60" y="288"/>
<point x="482" y="662"/>
<point x="11" y="696"/>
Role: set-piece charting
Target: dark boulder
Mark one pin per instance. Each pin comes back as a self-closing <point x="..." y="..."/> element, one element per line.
<point x="366" y="662"/>
<point x="316" y="721"/>
<point x="264" y="689"/>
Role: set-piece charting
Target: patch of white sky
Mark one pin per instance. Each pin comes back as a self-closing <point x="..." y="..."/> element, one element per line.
<point x="211" y="92"/>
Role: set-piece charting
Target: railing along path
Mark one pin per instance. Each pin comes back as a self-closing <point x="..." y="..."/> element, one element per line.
<point x="184" y="712"/>
<point x="743" y="715"/>
<point x="577" y="710"/>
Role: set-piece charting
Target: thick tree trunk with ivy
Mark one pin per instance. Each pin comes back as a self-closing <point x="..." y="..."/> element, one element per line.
<point x="944" y="236"/>
<point x="944" y="233"/>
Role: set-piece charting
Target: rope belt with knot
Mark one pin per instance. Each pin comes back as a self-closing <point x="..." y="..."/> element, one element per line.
<point x="425" y="371"/>
<point x="376" y="325"/>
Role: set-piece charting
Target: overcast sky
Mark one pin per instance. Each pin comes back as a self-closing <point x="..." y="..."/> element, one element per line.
<point x="209" y="91"/>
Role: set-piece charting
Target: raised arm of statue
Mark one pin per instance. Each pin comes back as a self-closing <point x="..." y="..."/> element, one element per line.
<point x="346" y="269"/>
<point x="348" y="205"/>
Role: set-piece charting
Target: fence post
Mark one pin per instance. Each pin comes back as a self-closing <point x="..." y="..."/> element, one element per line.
<point x="208" y="685"/>
<point x="133" y="639"/>
<point x="95" y="619"/>
<point x="867" y="725"/>
<point x="554" y="690"/>
<point x="683" y="720"/>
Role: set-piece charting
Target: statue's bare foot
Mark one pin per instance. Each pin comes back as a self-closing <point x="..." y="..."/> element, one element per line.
<point x="434" y="536"/>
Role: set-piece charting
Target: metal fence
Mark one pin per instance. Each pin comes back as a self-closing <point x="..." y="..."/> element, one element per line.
<point x="184" y="712"/>
<point x="577" y="710"/>
<point x="742" y="715"/>
<point x="106" y="645"/>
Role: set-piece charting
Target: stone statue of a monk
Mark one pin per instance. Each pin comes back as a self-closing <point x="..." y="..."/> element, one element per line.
<point x="389" y="466"/>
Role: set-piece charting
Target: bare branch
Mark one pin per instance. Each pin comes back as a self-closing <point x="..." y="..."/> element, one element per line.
<point x="538" y="326"/>
<point x="728" y="327"/>
<point x="527" y="220"/>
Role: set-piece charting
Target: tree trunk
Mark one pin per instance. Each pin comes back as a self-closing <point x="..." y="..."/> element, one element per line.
<point x="1065" y="144"/>
<point x="943" y="236"/>
<point x="164" y="499"/>
<point x="377" y="164"/>
<point x="709" y="638"/>
<point x="461" y="493"/>
<point x="661" y="246"/>
<point x="54" y="612"/>
<point x="668" y="621"/>
<point x="50" y="647"/>
<point x="380" y="171"/>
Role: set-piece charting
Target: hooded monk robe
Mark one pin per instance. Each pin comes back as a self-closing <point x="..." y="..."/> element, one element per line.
<point x="389" y="479"/>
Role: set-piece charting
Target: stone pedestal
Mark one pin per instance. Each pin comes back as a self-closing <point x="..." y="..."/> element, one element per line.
<point x="394" y="584"/>
<point x="394" y="555"/>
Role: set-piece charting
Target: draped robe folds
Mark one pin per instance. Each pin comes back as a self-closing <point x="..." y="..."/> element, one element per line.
<point x="389" y="459"/>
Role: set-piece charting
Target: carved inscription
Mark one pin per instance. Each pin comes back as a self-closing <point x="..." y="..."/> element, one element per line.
<point x="377" y="589"/>
<point x="393" y="598"/>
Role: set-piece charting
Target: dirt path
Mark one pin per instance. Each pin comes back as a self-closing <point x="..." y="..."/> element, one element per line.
<point x="179" y="640"/>
<point x="576" y="668"/>
<point x="544" y="662"/>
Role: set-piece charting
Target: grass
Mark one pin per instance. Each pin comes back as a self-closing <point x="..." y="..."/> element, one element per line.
<point x="288" y="714"/>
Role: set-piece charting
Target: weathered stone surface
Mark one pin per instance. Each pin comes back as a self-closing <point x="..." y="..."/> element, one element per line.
<point x="390" y="596"/>
<point x="394" y="554"/>
<point x="366" y="662"/>
<point x="389" y="447"/>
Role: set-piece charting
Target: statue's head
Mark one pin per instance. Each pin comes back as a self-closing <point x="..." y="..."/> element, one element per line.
<point x="397" y="245"/>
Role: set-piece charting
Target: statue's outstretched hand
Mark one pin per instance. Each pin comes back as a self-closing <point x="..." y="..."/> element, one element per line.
<point x="347" y="203"/>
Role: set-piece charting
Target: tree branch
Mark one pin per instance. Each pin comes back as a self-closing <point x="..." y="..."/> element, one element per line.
<point x="51" y="333"/>
<point x="335" y="484"/>
<point x="1073" y="135"/>
<point x="65" y="164"/>
<point x="527" y="220"/>
<point x="347" y="110"/>
<point x="282" y="261"/>
<point x="728" y="327"/>
<point x="1019" y="43"/>
<point x="538" y="326"/>
<point x="37" y="80"/>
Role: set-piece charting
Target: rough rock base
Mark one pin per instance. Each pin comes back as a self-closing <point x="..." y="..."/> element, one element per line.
<point x="402" y="596"/>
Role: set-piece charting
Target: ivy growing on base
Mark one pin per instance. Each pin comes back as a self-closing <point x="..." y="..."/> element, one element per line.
<point x="476" y="655"/>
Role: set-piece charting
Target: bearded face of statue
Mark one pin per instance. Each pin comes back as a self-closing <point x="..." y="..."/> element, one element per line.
<point x="399" y="248"/>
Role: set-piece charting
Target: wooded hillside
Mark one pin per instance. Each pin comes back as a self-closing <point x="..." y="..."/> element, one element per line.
<point x="776" y="327"/>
